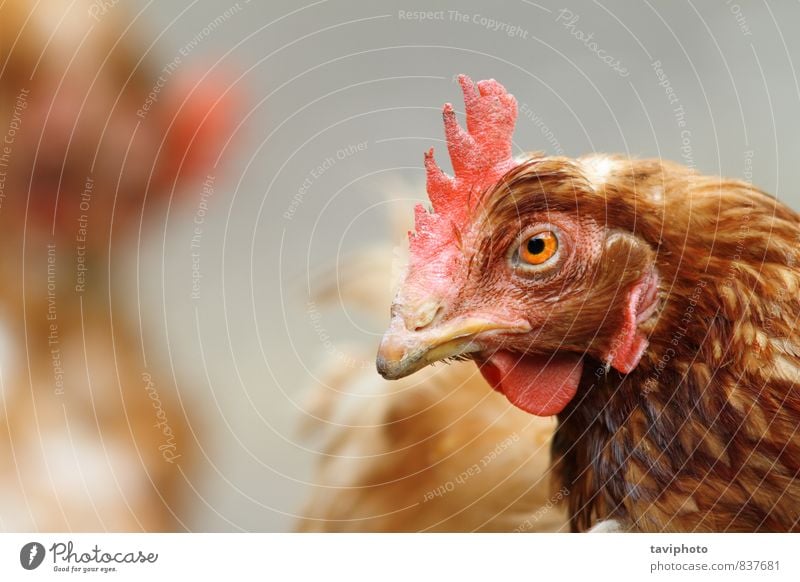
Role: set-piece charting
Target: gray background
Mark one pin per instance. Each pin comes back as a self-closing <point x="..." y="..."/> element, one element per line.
<point x="318" y="78"/>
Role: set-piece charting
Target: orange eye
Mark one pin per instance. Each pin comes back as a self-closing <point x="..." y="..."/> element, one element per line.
<point x="538" y="248"/>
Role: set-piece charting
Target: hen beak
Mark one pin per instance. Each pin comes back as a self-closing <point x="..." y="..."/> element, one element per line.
<point x="403" y="351"/>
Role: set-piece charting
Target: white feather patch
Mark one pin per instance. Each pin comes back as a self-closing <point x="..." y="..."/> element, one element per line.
<point x="597" y="169"/>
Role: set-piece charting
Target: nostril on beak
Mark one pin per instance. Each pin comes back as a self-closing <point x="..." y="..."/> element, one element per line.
<point x="434" y="317"/>
<point x="424" y="315"/>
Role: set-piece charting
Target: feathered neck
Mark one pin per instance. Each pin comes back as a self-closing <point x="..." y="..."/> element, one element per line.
<point x="701" y="436"/>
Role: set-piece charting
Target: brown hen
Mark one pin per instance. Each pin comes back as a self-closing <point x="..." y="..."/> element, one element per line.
<point x="652" y="309"/>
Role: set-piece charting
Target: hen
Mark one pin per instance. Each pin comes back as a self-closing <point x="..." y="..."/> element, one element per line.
<point x="651" y="308"/>
<point x="94" y="437"/>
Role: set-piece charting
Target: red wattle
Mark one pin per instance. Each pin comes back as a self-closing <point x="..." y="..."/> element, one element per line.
<point x="540" y="385"/>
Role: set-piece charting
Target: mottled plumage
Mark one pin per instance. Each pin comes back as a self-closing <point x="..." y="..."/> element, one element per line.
<point x="661" y="332"/>
<point x="703" y="434"/>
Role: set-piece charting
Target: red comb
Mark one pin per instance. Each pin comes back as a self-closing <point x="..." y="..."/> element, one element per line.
<point x="480" y="156"/>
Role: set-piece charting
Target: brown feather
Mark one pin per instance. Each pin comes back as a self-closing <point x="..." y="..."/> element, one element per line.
<point x="702" y="435"/>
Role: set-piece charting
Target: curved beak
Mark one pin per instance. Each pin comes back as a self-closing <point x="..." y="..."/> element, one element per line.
<point x="403" y="352"/>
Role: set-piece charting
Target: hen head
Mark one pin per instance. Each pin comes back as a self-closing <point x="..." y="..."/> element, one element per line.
<point x="523" y="265"/>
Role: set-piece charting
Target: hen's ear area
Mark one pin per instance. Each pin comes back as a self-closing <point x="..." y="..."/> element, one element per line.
<point x="629" y="344"/>
<point x="638" y="299"/>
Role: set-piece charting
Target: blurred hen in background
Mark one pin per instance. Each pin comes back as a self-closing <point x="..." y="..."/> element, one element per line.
<point x="93" y="437"/>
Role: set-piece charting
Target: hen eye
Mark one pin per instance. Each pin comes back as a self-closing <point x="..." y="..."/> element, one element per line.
<point x="539" y="248"/>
